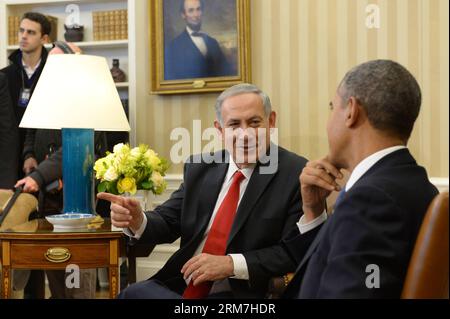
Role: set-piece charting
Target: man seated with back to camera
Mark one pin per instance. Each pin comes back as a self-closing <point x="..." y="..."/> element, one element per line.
<point x="379" y="211"/>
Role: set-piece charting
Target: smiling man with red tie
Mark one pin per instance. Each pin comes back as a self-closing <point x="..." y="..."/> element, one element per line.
<point x="231" y="212"/>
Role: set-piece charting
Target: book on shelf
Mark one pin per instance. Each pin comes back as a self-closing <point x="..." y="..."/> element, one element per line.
<point x="13" y="30"/>
<point x="110" y="25"/>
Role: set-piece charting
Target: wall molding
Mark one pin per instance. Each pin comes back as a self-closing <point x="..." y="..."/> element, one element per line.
<point x="441" y="183"/>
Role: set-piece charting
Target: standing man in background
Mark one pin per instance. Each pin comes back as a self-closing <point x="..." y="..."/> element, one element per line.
<point x="23" y="74"/>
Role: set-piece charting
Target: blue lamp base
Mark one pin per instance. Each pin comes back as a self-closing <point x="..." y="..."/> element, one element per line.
<point x="78" y="161"/>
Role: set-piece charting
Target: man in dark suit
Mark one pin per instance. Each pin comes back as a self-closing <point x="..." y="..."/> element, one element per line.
<point x="9" y="138"/>
<point x="363" y="249"/>
<point x="266" y="208"/>
<point x="23" y="73"/>
<point x="194" y="54"/>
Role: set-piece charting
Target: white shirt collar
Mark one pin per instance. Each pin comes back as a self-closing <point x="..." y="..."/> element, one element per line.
<point x="198" y="41"/>
<point x="232" y="168"/>
<point x="367" y="163"/>
<point x="190" y="31"/>
<point x="29" y="70"/>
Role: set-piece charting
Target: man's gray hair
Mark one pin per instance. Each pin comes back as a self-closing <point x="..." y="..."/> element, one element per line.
<point x="242" y="89"/>
<point x="388" y="93"/>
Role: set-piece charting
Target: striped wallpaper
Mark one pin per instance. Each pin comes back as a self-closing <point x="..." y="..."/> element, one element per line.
<point x="300" y="51"/>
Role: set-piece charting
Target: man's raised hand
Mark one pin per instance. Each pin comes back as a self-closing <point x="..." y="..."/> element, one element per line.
<point x="125" y="212"/>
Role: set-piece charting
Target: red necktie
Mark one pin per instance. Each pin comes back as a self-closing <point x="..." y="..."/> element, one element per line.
<point x="216" y="242"/>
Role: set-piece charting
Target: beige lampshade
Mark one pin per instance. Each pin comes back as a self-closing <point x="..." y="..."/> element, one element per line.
<point x="75" y="91"/>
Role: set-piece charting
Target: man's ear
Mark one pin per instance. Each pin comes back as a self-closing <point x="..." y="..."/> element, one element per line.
<point x="219" y="128"/>
<point x="45" y="39"/>
<point x="272" y="119"/>
<point x="353" y="112"/>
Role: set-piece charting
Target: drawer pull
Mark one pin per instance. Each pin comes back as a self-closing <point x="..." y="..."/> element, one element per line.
<point x="57" y="255"/>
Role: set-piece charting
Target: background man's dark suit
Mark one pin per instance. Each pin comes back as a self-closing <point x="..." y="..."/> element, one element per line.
<point x="268" y="210"/>
<point x="183" y="60"/>
<point x="14" y="73"/>
<point x="9" y="138"/>
<point x="377" y="221"/>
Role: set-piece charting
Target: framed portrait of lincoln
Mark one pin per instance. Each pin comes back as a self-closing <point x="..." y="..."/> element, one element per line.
<point x="198" y="45"/>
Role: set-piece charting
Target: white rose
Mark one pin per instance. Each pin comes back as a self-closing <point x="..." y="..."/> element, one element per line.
<point x="118" y="147"/>
<point x="152" y="159"/>
<point x="111" y="174"/>
<point x="135" y="152"/>
<point x="157" y="179"/>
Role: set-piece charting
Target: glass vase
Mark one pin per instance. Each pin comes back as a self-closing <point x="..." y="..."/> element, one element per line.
<point x="142" y="196"/>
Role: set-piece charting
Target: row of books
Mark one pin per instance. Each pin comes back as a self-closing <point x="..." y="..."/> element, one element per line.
<point x="110" y="25"/>
<point x="13" y="30"/>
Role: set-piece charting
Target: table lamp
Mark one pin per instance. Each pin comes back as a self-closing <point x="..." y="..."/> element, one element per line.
<point x="76" y="93"/>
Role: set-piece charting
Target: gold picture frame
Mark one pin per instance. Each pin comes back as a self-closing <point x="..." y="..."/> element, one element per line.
<point x="179" y="64"/>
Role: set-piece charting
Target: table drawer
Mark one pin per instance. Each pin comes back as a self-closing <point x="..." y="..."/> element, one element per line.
<point x="57" y="255"/>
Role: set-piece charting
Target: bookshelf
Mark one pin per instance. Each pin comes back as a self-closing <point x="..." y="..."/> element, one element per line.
<point x="123" y="49"/>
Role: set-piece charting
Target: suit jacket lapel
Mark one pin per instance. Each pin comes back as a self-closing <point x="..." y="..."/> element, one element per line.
<point x="191" y="43"/>
<point x="208" y="194"/>
<point x="256" y="186"/>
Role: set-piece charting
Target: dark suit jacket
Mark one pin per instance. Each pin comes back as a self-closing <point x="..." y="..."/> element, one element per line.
<point x="376" y="223"/>
<point x="183" y="60"/>
<point x="269" y="209"/>
<point x="14" y="73"/>
<point x="9" y="138"/>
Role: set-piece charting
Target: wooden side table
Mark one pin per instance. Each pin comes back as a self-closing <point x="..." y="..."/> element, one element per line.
<point x="43" y="248"/>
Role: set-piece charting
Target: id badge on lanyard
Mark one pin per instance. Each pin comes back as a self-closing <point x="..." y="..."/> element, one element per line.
<point x="24" y="97"/>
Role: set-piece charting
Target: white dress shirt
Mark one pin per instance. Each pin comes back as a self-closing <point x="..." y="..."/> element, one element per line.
<point x="239" y="262"/>
<point x="198" y="41"/>
<point x="357" y="173"/>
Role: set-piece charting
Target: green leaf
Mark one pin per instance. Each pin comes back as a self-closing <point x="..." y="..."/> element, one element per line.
<point x="102" y="187"/>
<point x="112" y="188"/>
<point x="164" y="166"/>
<point x="147" y="185"/>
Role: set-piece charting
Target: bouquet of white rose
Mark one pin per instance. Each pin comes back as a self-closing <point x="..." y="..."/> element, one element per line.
<point x="127" y="170"/>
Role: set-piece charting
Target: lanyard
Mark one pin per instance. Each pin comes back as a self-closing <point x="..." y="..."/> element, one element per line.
<point x="25" y="93"/>
<point x="31" y="80"/>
